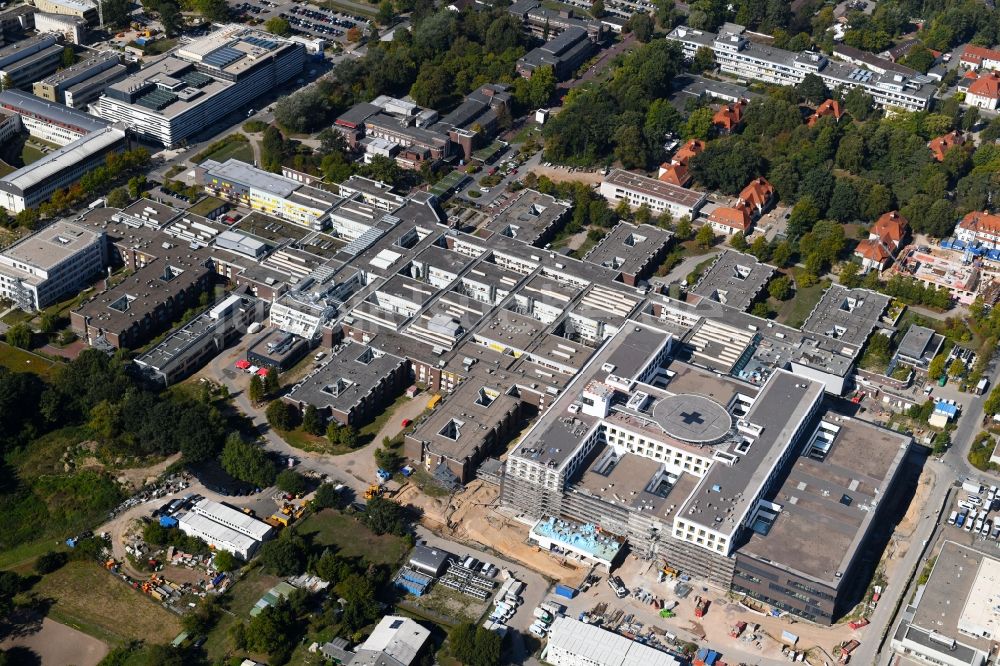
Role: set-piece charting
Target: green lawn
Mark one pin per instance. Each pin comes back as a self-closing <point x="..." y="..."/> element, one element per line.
<point x="352" y="538"/>
<point x="6" y="169"/>
<point x="796" y="310"/>
<point x="237" y="150"/>
<point x="206" y="205"/>
<point x="24" y="361"/>
<point x="16" y="316"/>
<point x="31" y="154"/>
<point x="88" y="598"/>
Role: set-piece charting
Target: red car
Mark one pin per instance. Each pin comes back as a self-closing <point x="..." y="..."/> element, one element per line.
<point x="406" y="422"/>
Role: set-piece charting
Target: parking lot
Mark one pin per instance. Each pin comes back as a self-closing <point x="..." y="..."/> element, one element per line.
<point x="974" y="514"/>
<point x="305" y="19"/>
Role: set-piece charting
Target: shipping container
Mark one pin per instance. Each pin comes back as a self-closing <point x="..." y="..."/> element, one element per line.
<point x="566" y="591"/>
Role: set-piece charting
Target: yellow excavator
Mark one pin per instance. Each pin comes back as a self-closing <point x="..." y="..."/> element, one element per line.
<point x="373" y="491"/>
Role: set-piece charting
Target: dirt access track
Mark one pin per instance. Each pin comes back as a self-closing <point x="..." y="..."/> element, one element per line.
<point x="56" y="644"/>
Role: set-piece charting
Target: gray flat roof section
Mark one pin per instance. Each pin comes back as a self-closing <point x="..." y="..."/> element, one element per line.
<point x="634" y="349"/>
<point x="628" y="247"/>
<point x="52" y="245"/>
<point x="473" y="420"/>
<point x="525" y="216"/>
<point x="830" y="501"/>
<point x="615" y="483"/>
<point x="951" y="582"/>
<point x="250" y="176"/>
<point x="847" y="315"/>
<point x="345" y="378"/>
<point x="780" y="408"/>
<point x="53" y="111"/>
<point x="734" y="279"/>
<point x="916" y="341"/>
<point x="655" y="188"/>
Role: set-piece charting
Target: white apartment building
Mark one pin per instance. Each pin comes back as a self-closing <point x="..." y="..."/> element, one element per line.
<point x="660" y="196"/>
<point x="49" y="264"/>
<point x="735" y="54"/>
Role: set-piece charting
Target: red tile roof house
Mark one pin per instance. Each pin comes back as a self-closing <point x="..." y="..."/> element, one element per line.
<point x="977" y="57"/>
<point x="885" y="238"/>
<point x="980" y="227"/>
<point x="942" y="144"/>
<point x="984" y="92"/>
<point x="676" y="171"/>
<point x="830" y="107"/>
<point x="753" y="201"/>
<point x="729" y="117"/>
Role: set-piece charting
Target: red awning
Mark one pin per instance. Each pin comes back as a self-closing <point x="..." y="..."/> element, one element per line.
<point x="242" y="364"/>
<point x="262" y="372"/>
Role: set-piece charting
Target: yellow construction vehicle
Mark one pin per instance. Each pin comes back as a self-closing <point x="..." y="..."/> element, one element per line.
<point x="373" y="491"/>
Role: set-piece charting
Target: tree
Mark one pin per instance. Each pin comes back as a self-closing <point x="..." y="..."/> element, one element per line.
<point x="284" y="556"/>
<point x="271" y="383"/>
<point x="780" y="288"/>
<point x="384" y="516"/>
<point x="50" y="561"/>
<point x="849" y="274"/>
<point x="225" y="561"/>
<point x="705" y="237"/>
<point x="361" y="607"/>
<point x="255" y="391"/>
<point x="279" y="415"/>
<point x="991" y="405"/>
<point x="956" y="369"/>
<point x="312" y="422"/>
<point x="6" y="83"/>
<point x="812" y="89"/>
<point x="327" y="497"/>
<point x="782" y="255"/>
<point x="247" y="461"/>
<point x="68" y="58"/>
<point x="291" y="482"/>
<point x="641" y="26"/>
<point x="49" y="322"/>
<point x="388" y="460"/>
<point x="699" y="124"/>
<point x="385" y="13"/>
<point x="475" y="646"/>
<point x="278" y="26"/>
<point x="704" y="59"/>
<point x="116" y="12"/>
<point x="19" y="335"/>
<point x="760" y="248"/>
<point x="171" y="18"/>
<point x="136" y="184"/>
<point x="213" y="10"/>
<point x="727" y="164"/>
<point x="739" y="242"/>
<point x="683" y="230"/>
<point x="936" y="368"/>
<point x="118" y="198"/>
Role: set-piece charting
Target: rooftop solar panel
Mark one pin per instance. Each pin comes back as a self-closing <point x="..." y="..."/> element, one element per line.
<point x="262" y="43"/>
<point x="222" y="57"/>
<point x="196" y="79"/>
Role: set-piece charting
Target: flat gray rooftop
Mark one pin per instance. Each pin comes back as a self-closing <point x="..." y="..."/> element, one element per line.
<point x="246" y="174"/>
<point x="919" y="341"/>
<point x="54" y="244"/>
<point x="734" y="279"/>
<point x="830" y="500"/>
<point x="526" y="215"/>
<point x="951" y="583"/>
<point x="847" y="315"/>
<point x="628" y="248"/>
<point x="779" y="410"/>
<point x="347" y="377"/>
